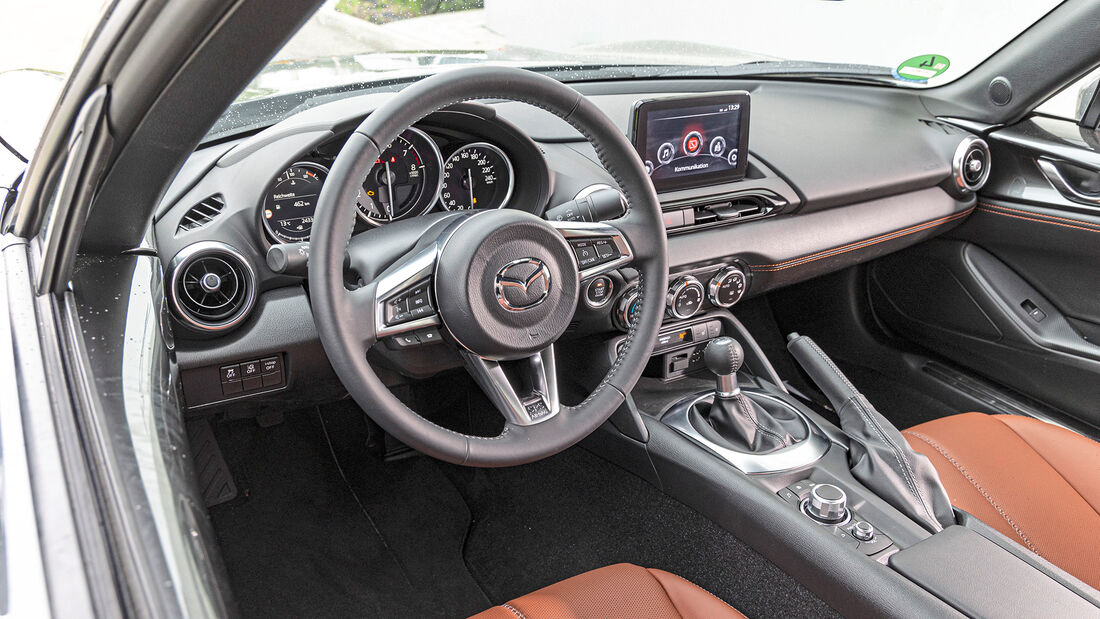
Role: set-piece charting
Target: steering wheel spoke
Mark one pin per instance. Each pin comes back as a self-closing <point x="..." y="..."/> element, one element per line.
<point x="525" y="391"/>
<point x="599" y="247"/>
<point x="403" y="295"/>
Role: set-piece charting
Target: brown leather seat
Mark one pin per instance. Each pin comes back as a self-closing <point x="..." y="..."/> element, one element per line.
<point x="1037" y="483"/>
<point x="617" y="591"/>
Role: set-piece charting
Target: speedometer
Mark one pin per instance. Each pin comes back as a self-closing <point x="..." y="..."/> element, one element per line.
<point x="291" y="200"/>
<point x="404" y="181"/>
<point x="478" y="175"/>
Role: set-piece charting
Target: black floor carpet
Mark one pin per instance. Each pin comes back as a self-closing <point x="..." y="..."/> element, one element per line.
<point x="335" y="532"/>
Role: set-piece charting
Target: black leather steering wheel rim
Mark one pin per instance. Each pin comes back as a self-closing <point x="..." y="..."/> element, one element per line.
<point x="346" y="333"/>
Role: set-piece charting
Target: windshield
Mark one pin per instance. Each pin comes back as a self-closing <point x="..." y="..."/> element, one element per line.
<point x="352" y="45"/>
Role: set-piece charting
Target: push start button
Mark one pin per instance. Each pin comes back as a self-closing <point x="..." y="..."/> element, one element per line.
<point x="598" y="292"/>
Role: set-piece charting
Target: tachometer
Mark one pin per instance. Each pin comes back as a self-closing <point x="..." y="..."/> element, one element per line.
<point x="291" y="200"/>
<point x="478" y="175"/>
<point x="404" y="181"/>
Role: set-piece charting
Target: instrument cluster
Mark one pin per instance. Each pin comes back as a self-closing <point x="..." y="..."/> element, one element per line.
<point x="414" y="175"/>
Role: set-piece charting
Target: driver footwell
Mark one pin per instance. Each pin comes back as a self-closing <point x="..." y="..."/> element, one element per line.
<point x="323" y="527"/>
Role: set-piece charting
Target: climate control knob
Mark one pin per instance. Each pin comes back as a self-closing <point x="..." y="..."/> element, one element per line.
<point x="626" y="312"/>
<point x="685" y="297"/>
<point x="727" y="287"/>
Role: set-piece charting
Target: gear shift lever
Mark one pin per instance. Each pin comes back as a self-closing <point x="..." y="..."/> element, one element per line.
<point x="723" y="357"/>
<point x="738" y="420"/>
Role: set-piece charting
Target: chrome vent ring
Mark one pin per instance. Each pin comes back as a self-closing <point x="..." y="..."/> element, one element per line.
<point x="212" y="286"/>
<point x="971" y="164"/>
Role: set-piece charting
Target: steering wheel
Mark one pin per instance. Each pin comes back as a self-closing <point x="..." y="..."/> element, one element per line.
<point x="502" y="285"/>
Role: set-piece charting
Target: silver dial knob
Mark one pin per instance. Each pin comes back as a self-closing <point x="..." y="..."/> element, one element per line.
<point x="627" y="310"/>
<point x="863" y="531"/>
<point x="727" y="287"/>
<point x="827" y="503"/>
<point x="685" y="297"/>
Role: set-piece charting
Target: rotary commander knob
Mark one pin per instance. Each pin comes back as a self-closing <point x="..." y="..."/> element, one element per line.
<point x="827" y="504"/>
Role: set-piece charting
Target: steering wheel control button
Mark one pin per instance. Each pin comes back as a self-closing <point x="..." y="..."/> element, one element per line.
<point x="405" y="340"/>
<point x="727" y="287"/>
<point x="863" y="531"/>
<point x="586" y="253"/>
<point x="827" y="503"/>
<point x="598" y="292"/>
<point x="685" y="297"/>
<point x="414" y="302"/>
<point x="428" y="336"/>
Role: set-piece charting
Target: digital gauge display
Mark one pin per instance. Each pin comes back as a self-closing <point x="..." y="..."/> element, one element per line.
<point x="291" y="201"/>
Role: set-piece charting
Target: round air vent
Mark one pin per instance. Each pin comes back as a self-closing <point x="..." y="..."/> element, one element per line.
<point x="971" y="164"/>
<point x="212" y="286"/>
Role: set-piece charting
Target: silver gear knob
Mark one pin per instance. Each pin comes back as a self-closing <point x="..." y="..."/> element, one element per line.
<point x="828" y="503"/>
<point x="723" y="356"/>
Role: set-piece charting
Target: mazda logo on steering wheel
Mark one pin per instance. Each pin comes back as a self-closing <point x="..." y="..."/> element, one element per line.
<point x="522" y="284"/>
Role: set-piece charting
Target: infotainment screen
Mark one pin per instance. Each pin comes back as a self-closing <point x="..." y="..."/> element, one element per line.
<point x="693" y="141"/>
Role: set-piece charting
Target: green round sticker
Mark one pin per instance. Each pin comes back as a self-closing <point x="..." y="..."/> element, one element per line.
<point x="922" y="68"/>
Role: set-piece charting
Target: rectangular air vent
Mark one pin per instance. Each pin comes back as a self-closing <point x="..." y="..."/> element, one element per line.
<point x="201" y="214"/>
<point x="720" y="212"/>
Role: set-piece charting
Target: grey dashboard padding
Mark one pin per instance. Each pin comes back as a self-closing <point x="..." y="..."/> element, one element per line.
<point x="642" y="225"/>
<point x="981" y="579"/>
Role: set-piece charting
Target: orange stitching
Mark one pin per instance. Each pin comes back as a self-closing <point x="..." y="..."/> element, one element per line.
<point x="1041" y="221"/>
<point x="836" y="251"/>
<point x="1041" y="215"/>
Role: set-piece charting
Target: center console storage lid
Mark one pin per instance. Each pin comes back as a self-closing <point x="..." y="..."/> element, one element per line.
<point x="981" y="579"/>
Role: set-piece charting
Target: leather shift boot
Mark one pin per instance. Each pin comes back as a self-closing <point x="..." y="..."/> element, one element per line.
<point x="742" y="424"/>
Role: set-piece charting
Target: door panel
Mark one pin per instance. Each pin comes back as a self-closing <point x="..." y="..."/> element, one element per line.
<point x="1013" y="293"/>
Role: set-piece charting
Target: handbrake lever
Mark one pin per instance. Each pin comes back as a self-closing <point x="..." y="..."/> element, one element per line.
<point x="878" y="455"/>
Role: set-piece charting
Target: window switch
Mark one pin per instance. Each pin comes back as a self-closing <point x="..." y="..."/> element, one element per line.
<point x="1033" y="310"/>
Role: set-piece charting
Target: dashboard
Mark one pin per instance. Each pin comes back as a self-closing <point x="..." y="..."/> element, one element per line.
<point x="866" y="172"/>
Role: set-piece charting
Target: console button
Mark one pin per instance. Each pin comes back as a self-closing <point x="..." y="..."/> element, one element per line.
<point x="271" y="365"/>
<point x="699" y="332"/>
<point x="802" y="488"/>
<point x="230" y="374"/>
<point x="714" y="329"/>
<point x="232" y="388"/>
<point x="863" y="531"/>
<point x="254" y="383"/>
<point x="846" y="537"/>
<point x="250" y="369"/>
<point x="875" y="545"/>
<point x="272" y="380"/>
<point x="788" y="496"/>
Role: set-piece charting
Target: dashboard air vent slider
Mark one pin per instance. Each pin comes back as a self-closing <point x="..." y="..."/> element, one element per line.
<point x="201" y="214"/>
<point x="213" y="287"/>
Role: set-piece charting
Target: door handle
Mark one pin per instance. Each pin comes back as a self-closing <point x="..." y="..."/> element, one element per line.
<point x="1058" y="180"/>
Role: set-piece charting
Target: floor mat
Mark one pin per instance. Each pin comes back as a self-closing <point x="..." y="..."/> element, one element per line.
<point x="322" y="531"/>
<point x="300" y="543"/>
<point x="537" y="524"/>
